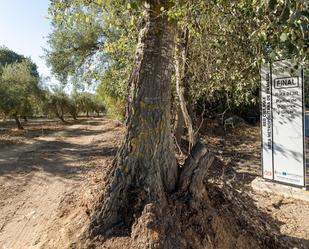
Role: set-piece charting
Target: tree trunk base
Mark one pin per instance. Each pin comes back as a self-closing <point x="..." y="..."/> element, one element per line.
<point x="196" y="215"/>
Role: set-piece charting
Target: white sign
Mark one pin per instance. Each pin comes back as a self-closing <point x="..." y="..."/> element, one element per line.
<point x="282" y="123"/>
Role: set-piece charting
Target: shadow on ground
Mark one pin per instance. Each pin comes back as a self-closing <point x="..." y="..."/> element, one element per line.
<point x="229" y="182"/>
<point x="63" y="156"/>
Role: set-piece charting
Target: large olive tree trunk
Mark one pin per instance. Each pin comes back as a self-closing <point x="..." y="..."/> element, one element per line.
<point x="145" y="167"/>
<point x="146" y="182"/>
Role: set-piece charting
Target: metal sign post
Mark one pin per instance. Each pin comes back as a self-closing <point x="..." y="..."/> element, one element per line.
<point x="282" y="123"/>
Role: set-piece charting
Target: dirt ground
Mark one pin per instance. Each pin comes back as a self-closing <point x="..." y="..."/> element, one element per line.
<point x="239" y="151"/>
<point x="48" y="175"/>
<point x="51" y="174"/>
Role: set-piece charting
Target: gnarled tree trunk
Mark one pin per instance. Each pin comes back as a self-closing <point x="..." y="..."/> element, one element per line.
<point x="145" y="167"/>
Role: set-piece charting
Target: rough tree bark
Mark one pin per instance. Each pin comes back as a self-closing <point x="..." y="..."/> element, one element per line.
<point x="145" y="167"/>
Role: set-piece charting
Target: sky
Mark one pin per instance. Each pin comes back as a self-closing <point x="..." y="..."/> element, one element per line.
<point x="24" y="28"/>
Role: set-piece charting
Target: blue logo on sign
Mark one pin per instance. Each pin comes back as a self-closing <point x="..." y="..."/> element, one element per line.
<point x="284" y="173"/>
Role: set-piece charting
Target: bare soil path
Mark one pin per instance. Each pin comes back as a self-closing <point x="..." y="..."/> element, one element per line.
<point x="37" y="175"/>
